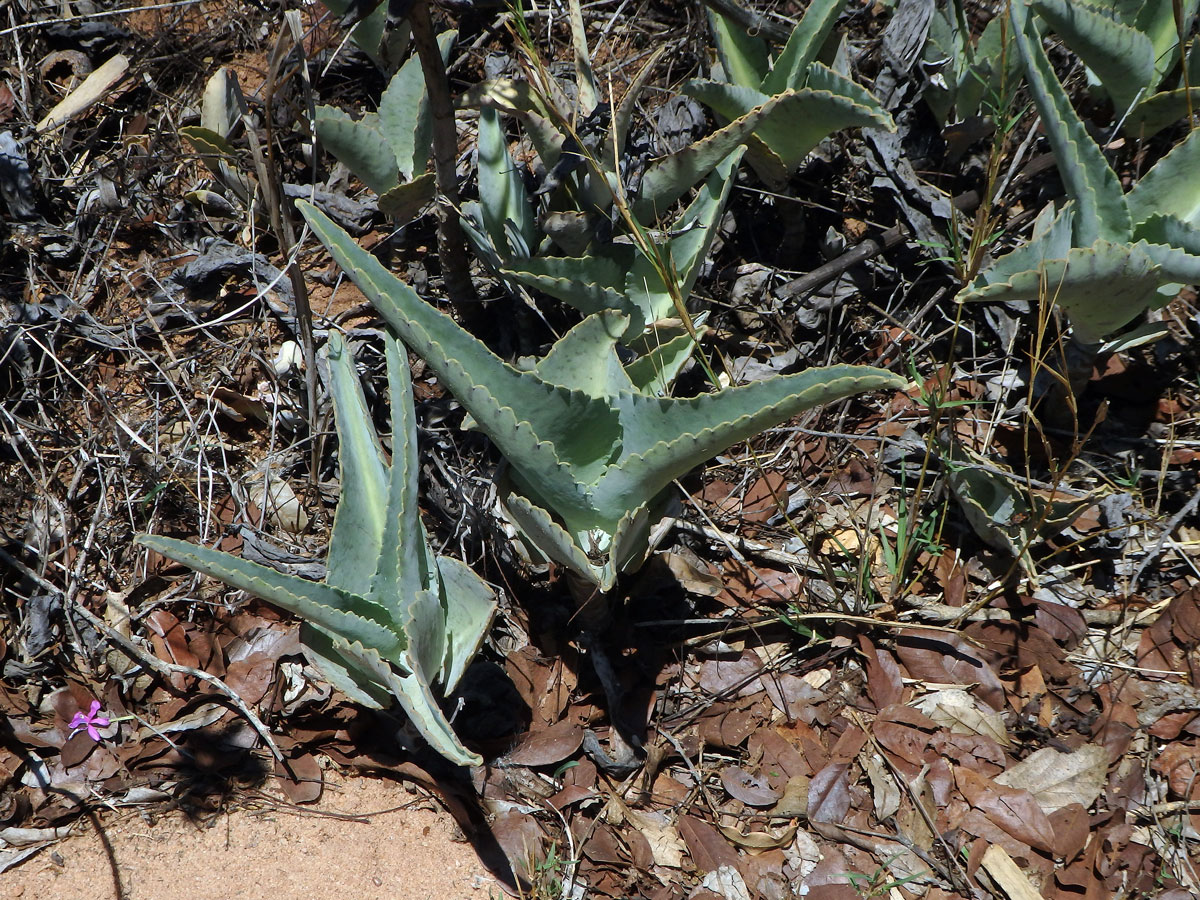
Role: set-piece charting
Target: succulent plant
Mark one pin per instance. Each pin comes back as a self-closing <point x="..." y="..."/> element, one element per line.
<point x="1131" y="48"/>
<point x="647" y="270"/>
<point x="812" y="100"/>
<point x="591" y="445"/>
<point x="968" y="75"/>
<point x="1107" y="257"/>
<point x="392" y="618"/>
<point x="389" y="150"/>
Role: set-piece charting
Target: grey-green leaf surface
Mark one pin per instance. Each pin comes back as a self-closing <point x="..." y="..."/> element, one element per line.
<point x="1100" y="207"/>
<point x="664" y="439"/>
<point x="360" y="146"/>
<point x="404" y="565"/>
<point x="1171" y="187"/>
<point x="502" y="196"/>
<point x="791" y="123"/>
<point x="1161" y="110"/>
<point x="1101" y="288"/>
<point x="791" y="69"/>
<point x="469" y="607"/>
<point x="404" y="117"/>
<point x="578" y="427"/>
<point x="358" y="526"/>
<point x="330" y="608"/>
<point x="588" y="283"/>
<point x="1122" y="57"/>
<point x="667" y="179"/>
<point x="744" y="58"/>
<point x="404" y="120"/>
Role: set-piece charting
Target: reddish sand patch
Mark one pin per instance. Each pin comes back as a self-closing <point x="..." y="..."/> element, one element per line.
<point x="280" y="853"/>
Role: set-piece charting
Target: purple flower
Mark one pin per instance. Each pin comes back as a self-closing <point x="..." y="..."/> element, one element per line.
<point x="91" y="720"/>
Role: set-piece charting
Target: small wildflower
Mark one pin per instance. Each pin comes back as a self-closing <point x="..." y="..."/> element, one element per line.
<point x="91" y="720"/>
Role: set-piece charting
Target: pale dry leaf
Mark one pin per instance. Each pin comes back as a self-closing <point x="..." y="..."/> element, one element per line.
<point x="884" y="790"/>
<point x="726" y="882"/>
<point x="963" y="714"/>
<point x="91" y="91"/>
<point x="803" y="855"/>
<point x="1057" y="779"/>
<point x="1008" y="875"/>
<point x="666" y="846"/>
<point x="756" y="842"/>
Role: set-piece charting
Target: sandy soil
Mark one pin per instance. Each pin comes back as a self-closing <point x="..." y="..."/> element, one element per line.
<point x="277" y="853"/>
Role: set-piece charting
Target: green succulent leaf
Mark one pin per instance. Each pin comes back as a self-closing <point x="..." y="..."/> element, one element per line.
<point x="744" y="58"/>
<point x="404" y="117"/>
<point x="322" y="650"/>
<point x="335" y="610"/>
<point x="214" y="150"/>
<point x="588" y="283"/>
<point x="665" y="438"/>
<point x="669" y="178"/>
<point x="1160" y="111"/>
<point x="1001" y="510"/>
<point x="555" y="543"/>
<point x="575" y="425"/>
<point x="405" y="565"/>
<point x="1101" y="288"/>
<point x="654" y="372"/>
<point x="502" y="195"/>
<point x="791" y="69"/>
<point x="358" y="528"/>
<point x="583" y="487"/>
<point x="220" y="109"/>
<point x="1156" y="19"/>
<point x="1171" y="187"/>
<point x="1051" y="240"/>
<point x="1100" y="207"/>
<point x="469" y="607"/>
<point x="1122" y="57"/>
<point x="792" y="123"/>
<point x="360" y="146"/>
<point x="618" y="131"/>
<point x="391" y="618"/>
<point x="1171" y="232"/>
<point x="583" y="357"/>
<point x="404" y="202"/>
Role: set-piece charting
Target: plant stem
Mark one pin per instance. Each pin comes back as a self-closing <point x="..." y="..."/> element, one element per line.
<point x="452" y="243"/>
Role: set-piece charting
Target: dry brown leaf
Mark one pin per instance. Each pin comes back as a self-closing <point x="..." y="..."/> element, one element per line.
<point x="693" y="574"/>
<point x="708" y="849"/>
<point x="301" y="779"/>
<point x="547" y="746"/>
<point x="1013" y="810"/>
<point x="829" y="794"/>
<point x="1057" y="779"/>
<point x="753" y="790"/>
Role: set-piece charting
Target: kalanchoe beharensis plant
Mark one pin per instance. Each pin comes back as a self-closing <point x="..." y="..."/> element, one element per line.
<point x="1132" y="47"/>
<point x="811" y="100"/>
<point x="967" y="77"/>
<point x="1107" y="257"/>
<point x="596" y="205"/>
<point x="388" y="150"/>
<point x="392" y="620"/>
<point x="591" y="446"/>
